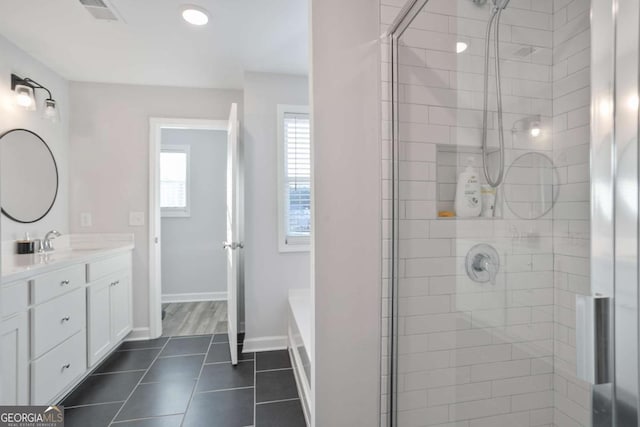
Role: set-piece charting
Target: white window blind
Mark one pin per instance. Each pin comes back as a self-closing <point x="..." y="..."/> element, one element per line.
<point x="174" y="181"/>
<point x="298" y="174"/>
<point x="294" y="177"/>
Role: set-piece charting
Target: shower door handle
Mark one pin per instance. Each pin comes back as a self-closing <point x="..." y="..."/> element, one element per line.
<point x="232" y="245"/>
<point x="593" y="338"/>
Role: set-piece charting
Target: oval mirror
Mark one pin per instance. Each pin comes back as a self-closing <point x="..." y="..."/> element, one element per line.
<point x="28" y="176"/>
<point x="529" y="189"/>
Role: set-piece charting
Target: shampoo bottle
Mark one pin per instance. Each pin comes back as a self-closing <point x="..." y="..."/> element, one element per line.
<point x="467" y="202"/>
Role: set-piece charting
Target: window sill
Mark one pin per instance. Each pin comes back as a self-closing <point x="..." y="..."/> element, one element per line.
<point x="175" y="214"/>
<point x="293" y="248"/>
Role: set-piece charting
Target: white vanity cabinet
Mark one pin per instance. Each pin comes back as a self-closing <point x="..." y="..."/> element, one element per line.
<point x="57" y="320"/>
<point x="109" y="313"/>
<point x="14" y="344"/>
<point x="58" y="327"/>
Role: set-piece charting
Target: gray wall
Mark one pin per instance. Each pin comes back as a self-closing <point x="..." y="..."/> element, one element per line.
<point x="14" y="60"/>
<point x="269" y="274"/>
<point x="193" y="260"/>
<point x="109" y="159"/>
<point x="347" y="214"/>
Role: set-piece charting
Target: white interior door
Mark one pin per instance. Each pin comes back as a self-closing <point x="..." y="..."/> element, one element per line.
<point x="233" y="245"/>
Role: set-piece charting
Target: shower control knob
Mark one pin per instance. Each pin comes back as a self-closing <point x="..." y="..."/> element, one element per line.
<point x="483" y="263"/>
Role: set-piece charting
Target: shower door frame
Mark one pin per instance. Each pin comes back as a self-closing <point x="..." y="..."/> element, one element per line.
<point x="406" y="16"/>
<point x="615" y="66"/>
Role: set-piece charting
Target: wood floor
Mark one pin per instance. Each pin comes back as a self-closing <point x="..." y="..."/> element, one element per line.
<point x="194" y="318"/>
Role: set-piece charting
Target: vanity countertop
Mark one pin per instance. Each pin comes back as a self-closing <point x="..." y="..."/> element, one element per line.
<point x="69" y="250"/>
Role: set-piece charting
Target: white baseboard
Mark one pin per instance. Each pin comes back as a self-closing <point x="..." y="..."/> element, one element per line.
<point x="139" y="334"/>
<point x="264" y="344"/>
<point x="194" y="297"/>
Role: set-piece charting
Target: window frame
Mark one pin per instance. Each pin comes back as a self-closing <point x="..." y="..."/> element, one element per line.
<point x="287" y="243"/>
<point x="174" y="212"/>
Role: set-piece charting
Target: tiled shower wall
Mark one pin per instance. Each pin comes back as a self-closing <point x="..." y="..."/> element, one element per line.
<point x="571" y="118"/>
<point x="483" y="354"/>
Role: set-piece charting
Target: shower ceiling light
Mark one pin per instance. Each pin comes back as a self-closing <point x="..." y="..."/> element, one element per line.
<point x="535" y="130"/>
<point x="195" y="15"/>
<point x="461" y="47"/>
<point x="529" y="124"/>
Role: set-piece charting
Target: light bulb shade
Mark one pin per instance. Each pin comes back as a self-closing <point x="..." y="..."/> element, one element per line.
<point x="50" y="110"/>
<point x="535" y="130"/>
<point x="24" y="97"/>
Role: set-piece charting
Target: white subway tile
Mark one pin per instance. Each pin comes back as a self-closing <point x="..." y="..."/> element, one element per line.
<point x="479" y="408"/>
<point x="500" y="370"/>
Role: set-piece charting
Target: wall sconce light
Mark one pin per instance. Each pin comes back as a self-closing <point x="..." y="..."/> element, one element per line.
<point x="25" y="88"/>
<point x="530" y="124"/>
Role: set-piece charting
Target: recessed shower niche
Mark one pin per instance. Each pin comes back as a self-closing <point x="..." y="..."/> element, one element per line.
<point x="451" y="161"/>
<point x="529" y="190"/>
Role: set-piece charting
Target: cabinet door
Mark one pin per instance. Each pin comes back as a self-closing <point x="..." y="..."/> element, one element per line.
<point x="14" y="360"/>
<point x="120" y="308"/>
<point x="98" y="319"/>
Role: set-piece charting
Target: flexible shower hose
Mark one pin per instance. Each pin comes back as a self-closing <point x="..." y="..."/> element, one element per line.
<point x="495" y="17"/>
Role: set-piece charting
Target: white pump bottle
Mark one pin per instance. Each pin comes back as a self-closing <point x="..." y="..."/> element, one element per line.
<point x="468" y="200"/>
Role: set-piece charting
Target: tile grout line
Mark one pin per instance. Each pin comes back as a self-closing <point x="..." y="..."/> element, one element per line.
<point x="276" y="369"/>
<point x="94" y="404"/>
<point x="278" y="401"/>
<point x="115" y="423"/>
<point x="182" y="355"/>
<point x="195" y="387"/>
<point x="223" y="389"/>
<point x="139" y="382"/>
<point x="228" y="361"/>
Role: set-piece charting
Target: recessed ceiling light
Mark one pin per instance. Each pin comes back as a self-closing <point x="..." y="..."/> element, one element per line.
<point x="461" y="47"/>
<point x="195" y="15"/>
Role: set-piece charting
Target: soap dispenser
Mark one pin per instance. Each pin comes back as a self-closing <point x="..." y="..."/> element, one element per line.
<point x="467" y="202"/>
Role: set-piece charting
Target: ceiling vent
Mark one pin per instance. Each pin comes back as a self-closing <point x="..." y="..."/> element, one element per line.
<point x="101" y="10"/>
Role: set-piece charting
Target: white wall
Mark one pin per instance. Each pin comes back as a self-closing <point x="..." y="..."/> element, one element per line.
<point x="347" y="211"/>
<point x="109" y="152"/>
<point x="269" y="274"/>
<point x="193" y="261"/>
<point x="14" y="60"/>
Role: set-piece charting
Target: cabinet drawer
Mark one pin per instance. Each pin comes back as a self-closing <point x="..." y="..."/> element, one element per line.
<point x="56" y="320"/>
<point x="52" y="373"/>
<point x="56" y="283"/>
<point x="14" y="298"/>
<point x="107" y="266"/>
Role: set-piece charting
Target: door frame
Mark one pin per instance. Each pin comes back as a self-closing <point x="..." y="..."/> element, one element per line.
<point x="156" y="124"/>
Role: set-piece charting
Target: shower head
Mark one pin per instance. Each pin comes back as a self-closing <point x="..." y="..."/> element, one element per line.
<point x="500" y="4"/>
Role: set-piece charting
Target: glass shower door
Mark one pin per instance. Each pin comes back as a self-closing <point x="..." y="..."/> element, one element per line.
<point x="483" y="307"/>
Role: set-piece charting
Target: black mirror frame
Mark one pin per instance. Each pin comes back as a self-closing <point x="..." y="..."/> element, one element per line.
<point x="55" y="165"/>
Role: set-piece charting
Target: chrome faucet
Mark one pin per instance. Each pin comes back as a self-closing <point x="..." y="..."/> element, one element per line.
<point x="47" y="243"/>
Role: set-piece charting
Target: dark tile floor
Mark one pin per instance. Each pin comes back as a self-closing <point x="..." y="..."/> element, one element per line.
<point x="186" y="381"/>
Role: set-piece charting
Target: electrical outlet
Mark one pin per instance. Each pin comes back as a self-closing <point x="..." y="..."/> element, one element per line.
<point x="85" y="219"/>
<point x="136" y="219"/>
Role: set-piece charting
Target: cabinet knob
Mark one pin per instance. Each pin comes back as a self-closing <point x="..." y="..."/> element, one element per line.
<point x="64" y="283"/>
<point x="67" y="366"/>
<point x="65" y="319"/>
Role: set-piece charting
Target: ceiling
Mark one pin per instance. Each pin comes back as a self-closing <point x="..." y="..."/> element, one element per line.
<point x="152" y="45"/>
